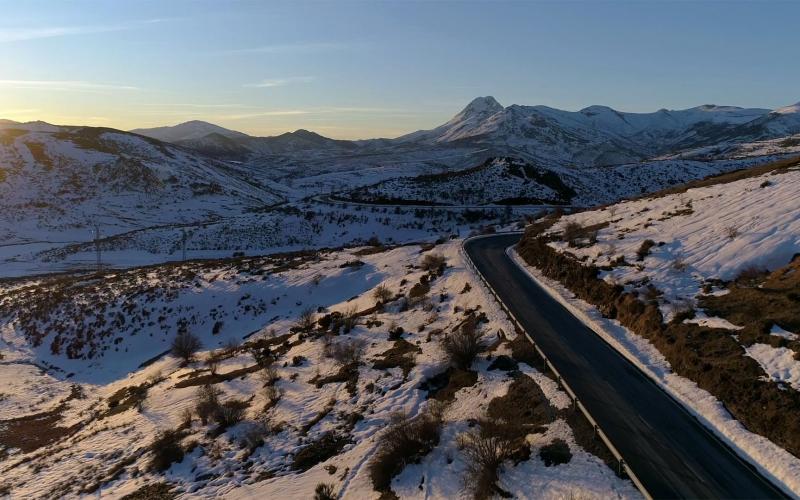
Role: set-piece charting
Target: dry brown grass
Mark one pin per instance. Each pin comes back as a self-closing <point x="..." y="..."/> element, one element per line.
<point x="711" y="358"/>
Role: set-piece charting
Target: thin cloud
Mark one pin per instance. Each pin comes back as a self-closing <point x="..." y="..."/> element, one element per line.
<point x="24" y="34"/>
<point x="64" y="85"/>
<point x="244" y="116"/>
<point x="279" y="82"/>
<point x="290" y="48"/>
<point x="199" y="105"/>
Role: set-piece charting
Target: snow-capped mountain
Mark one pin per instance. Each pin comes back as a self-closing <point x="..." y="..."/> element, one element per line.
<point x="596" y="135"/>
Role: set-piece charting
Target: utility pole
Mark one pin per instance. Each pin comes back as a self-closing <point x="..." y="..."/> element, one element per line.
<point x="183" y="244"/>
<point x="97" y="245"/>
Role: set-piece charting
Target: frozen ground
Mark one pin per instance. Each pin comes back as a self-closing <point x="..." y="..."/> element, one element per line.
<point x="103" y="447"/>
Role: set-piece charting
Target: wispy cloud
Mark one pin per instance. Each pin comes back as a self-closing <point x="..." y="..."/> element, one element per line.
<point x="64" y="85"/>
<point x="260" y="114"/>
<point x="290" y="48"/>
<point x="197" y="105"/>
<point x="312" y="112"/>
<point x="280" y="82"/>
<point x="24" y="34"/>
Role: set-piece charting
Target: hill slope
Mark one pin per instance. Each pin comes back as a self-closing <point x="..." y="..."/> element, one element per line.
<point x="698" y="285"/>
<point x="56" y="182"/>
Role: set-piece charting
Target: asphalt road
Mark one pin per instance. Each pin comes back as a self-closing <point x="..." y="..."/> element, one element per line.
<point x="673" y="455"/>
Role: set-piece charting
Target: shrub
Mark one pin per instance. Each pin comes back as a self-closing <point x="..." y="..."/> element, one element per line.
<point x="644" y="249"/>
<point x="272" y="394"/>
<point x="572" y="232"/>
<point x="325" y="492"/>
<point x="329" y="445"/>
<point x="207" y="402"/>
<point x="731" y="232"/>
<point x="212" y="362"/>
<point x="269" y="375"/>
<point x="404" y="441"/>
<point x="751" y="274"/>
<point x="349" y="319"/>
<point x="433" y="262"/>
<point x="307" y="319"/>
<point x="231" y="412"/>
<point x="185" y="345"/>
<point x="253" y="434"/>
<point x="682" y="309"/>
<point x="166" y="449"/>
<point x="484" y="455"/>
<point x="347" y="352"/>
<point x="463" y="345"/>
<point x="217" y="327"/>
<point x="382" y="294"/>
<point x="679" y="264"/>
<point x="555" y="453"/>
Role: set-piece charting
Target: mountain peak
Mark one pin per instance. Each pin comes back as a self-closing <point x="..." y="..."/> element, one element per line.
<point x="792" y="108"/>
<point x="487" y="104"/>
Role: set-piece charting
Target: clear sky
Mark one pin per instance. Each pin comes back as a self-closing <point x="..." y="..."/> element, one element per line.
<point x="383" y="68"/>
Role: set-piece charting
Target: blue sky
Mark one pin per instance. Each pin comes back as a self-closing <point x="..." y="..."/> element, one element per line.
<point x="383" y="68"/>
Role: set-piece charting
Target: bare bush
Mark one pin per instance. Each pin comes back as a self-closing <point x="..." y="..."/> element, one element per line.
<point x="463" y="345"/>
<point x="731" y="232"/>
<point x="347" y="352"/>
<point x="572" y="232"/>
<point x="682" y="309"/>
<point x="212" y="362"/>
<point x="207" y="402"/>
<point x="230" y="347"/>
<point x="751" y="274"/>
<point x="231" y="412"/>
<point x="254" y="433"/>
<point x="679" y="263"/>
<point x="349" y="319"/>
<point x="325" y="491"/>
<point x="307" y="319"/>
<point x="644" y="249"/>
<point x="166" y="449"/>
<point x="433" y="262"/>
<point x="268" y="375"/>
<point x="272" y="394"/>
<point x="185" y="345"/>
<point x="484" y="455"/>
<point x="404" y="441"/>
<point x="382" y="294"/>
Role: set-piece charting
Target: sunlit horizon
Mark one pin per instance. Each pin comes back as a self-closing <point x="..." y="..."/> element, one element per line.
<point x="364" y="70"/>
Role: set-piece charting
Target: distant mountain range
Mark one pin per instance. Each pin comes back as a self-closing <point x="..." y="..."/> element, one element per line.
<point x="593" y="136"/>
<point x="220" y="142"/>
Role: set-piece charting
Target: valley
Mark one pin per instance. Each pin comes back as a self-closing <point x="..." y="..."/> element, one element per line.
<point x="327" y="306"/>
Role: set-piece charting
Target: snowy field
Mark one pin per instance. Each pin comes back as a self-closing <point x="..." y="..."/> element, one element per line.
<point x="106" y="409"/>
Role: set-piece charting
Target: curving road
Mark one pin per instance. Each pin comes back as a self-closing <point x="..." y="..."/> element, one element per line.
<point x="673" y="455"/>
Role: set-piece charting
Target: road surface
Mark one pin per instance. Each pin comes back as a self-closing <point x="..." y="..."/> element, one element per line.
<point x="672" y="454"/>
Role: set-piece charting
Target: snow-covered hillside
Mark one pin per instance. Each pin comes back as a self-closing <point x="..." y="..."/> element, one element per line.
<point x="699" y="287"/>
<point x="311" y="364"/>
<point x="57" y="182"/>
<point x="513" y="181"/>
